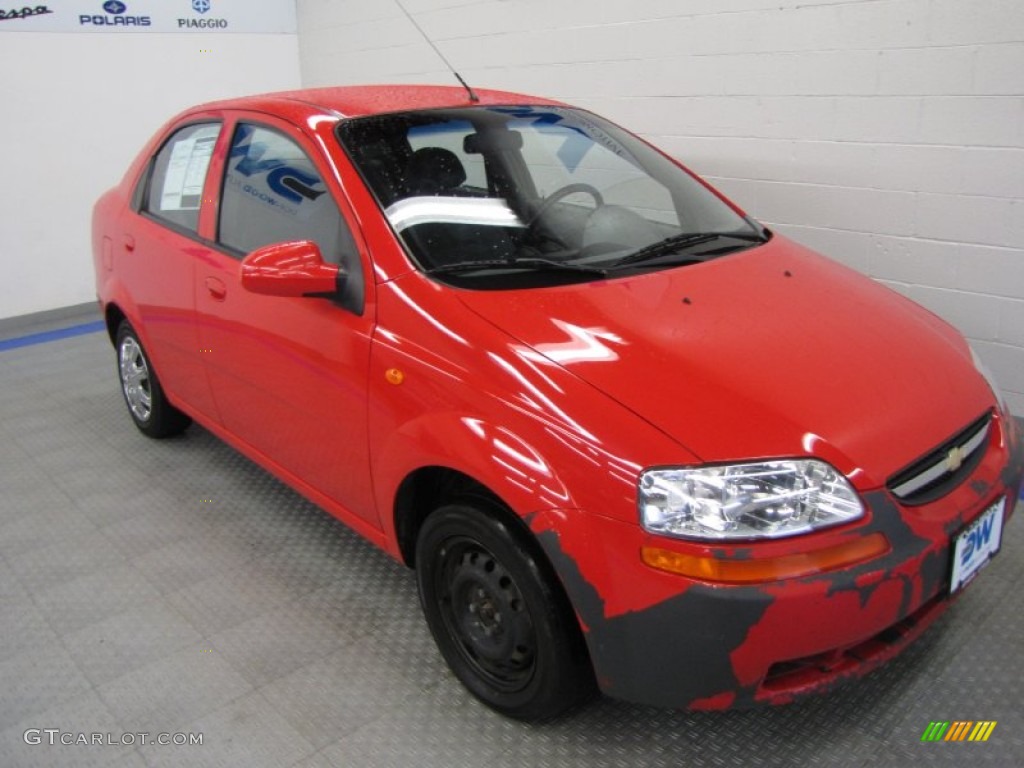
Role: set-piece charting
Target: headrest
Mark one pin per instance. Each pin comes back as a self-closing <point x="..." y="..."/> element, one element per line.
<point x="433" y="169"/>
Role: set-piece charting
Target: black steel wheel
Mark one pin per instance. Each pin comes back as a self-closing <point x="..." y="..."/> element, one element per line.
<point x="500" y="620"/>
<point x="147" y="404"/>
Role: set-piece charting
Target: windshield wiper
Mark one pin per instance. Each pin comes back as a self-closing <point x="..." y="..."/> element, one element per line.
<point x="531" y="262"/>
<point x="679" y="242"/>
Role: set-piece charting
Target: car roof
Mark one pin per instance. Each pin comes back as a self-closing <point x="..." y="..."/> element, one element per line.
<point x="362" y="100"/>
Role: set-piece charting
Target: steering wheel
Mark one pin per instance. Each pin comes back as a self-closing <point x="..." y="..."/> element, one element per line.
<point x="565" y="191"/>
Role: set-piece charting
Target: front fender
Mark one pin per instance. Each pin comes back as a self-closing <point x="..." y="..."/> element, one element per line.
<point x="447" y="388"/>
<point x="490" y="453"/>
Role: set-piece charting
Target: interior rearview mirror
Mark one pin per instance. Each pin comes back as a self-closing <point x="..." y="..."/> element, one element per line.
<point x="290" y="269"/>
<point x="492" y="141"/>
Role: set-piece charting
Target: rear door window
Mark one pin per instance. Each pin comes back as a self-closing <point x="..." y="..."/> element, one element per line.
<point x="174" y="191"/>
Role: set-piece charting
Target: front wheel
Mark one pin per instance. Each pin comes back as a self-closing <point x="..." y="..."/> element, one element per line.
<point x="501" y="622"/>
<point x="147" y="404"/>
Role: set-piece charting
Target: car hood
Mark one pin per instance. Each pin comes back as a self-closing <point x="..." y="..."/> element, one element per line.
<point x="770" y="352"/>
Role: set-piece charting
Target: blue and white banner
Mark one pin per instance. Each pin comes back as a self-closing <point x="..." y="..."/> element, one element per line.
<point x="246" y="16"/>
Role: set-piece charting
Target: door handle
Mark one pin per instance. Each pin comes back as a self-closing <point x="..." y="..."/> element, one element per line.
<point x="129" y="243"/>
<point x="216" y="288"/>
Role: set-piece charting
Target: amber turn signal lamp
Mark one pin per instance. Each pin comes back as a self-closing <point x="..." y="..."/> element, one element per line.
<point x="766" y="568"/>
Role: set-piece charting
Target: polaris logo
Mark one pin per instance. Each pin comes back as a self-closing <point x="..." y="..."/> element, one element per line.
<point x="115" y="9"/>
<point x="115" y="21"/>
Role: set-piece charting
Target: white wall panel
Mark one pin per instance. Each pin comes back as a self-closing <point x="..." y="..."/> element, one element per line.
<point x="76" y="110"/>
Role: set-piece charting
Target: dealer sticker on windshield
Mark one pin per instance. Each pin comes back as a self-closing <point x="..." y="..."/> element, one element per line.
<point x="976" y="545"/>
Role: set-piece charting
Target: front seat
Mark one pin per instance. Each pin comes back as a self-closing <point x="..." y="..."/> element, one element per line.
<point x="434" y="171"/>
<point x="438" y="172"/>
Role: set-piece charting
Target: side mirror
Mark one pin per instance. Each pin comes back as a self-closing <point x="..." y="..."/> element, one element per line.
<point x="290" y="269"/>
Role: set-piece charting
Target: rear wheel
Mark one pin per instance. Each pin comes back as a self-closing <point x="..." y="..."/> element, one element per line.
<point x="501" y="623"/>
<point x="147" y="404"/>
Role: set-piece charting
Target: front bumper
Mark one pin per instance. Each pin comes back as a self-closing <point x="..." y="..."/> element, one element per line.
<point x="667" y="640"/>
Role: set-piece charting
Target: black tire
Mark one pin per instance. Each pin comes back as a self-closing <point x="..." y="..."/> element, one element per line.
<point x="497" y="614"/>
<point x="147" y="404"/>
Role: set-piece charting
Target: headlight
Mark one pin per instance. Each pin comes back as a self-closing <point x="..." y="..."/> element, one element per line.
<point x="981" y="368"/>
<point x="767" y="500"/>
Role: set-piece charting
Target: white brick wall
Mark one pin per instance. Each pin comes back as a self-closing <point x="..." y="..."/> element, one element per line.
<point x="888" y="134"/>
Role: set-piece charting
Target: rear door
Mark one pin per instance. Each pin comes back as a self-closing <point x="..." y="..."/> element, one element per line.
<point x="288" y="375"/>
<point x="160" y="247"/>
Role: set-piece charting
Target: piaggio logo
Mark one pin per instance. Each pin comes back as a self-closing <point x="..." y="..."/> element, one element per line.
<point x="201" y="7"/>
<point x="958" y="730"/>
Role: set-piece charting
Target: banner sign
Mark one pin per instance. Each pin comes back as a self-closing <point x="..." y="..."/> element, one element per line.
<point x="247" y="16"/>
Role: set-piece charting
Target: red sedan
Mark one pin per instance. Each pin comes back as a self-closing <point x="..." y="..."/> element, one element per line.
<point x="628" y="437"/>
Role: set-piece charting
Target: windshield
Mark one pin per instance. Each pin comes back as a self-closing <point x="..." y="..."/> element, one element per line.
<point x="493" y="197"/>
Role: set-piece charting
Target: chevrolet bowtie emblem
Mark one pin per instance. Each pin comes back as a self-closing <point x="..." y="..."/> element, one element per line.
<point x="954" y="458"/>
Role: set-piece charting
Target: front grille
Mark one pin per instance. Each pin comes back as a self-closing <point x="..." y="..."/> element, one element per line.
<point x="944" y="468"/>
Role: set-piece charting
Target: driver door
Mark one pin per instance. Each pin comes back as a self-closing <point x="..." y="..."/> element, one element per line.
<point x="288" y="375"/>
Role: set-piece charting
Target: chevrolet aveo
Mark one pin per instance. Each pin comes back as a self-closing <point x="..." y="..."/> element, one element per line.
<point x="629" y="438"/>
